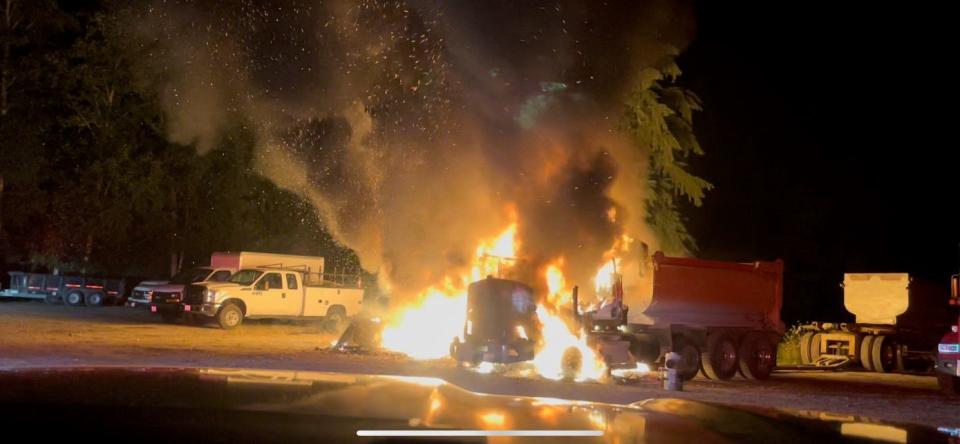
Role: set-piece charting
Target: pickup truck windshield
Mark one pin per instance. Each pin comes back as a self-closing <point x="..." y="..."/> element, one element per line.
<point x="245" y="277"/>
<point x="190" y="276"/>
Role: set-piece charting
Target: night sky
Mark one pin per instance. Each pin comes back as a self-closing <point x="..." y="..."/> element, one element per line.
<point x="827" y="132"/>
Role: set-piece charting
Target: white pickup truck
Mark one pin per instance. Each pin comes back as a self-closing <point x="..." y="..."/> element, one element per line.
<point x="267" y="292"/>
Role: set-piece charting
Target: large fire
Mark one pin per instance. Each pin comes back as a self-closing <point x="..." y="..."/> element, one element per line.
<point x="425" y="328"/>
<point x="561" y="348"/>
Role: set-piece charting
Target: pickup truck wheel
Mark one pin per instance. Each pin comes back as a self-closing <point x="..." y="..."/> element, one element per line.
<point x="229" y="317"/>
<point x="805" y="340"/>
<point x="74" y="298"/>
<point x="866" y="352"/>
<point x="689" y="359"/>
<point x="758" y="356"/>
<point x="719" y="360"/>
<point x="94" y="299"/>
<point x="883" y="353"/>
<point x="53" y="300"/>
<point x="949" y="384"/>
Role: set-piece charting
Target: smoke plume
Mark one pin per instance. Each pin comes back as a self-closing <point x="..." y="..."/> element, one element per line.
<point x="418" y="128"/>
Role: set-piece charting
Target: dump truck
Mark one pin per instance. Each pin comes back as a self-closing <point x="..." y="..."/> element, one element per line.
<point x="72" y="290"/>
<point x="501" y="326"/>
<point x="898" y="320"/>
<point x="723" y="318"/>
<point x="164" y="297"/>
<point x="948" y="350"/>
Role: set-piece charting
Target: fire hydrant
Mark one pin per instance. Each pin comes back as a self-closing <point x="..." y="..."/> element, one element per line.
<point x="668" y="373"/>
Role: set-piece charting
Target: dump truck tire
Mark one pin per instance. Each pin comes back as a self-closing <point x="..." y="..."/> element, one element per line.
<point x="719" y="361"/>
<point x="757" y="356"/>
<point x="866" y="352"/>
<point x="815" y="347"/>
<point x="230" y="316"/>
<point x="805" y="340"/>
<point x="74" y="298"/>
<point x="883" y="354"/>
<point x="94" y="299"/>
<point x="689" y="359"/>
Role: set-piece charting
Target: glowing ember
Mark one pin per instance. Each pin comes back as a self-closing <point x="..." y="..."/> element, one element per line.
<point x="640" y="370"/>
<point x="557" y="358"/>
<point x="485" y="367"/>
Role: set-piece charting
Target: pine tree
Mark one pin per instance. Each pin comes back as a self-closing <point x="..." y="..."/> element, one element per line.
<point x="658" y="116"/>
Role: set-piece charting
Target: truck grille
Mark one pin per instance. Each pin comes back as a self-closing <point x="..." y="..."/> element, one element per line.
<point x="138" y="294"/>
<point x="193" y="295"/>
<point x="162" y="297"/>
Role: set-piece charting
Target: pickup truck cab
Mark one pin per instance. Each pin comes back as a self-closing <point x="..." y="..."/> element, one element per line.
<point x="267" y="292"/>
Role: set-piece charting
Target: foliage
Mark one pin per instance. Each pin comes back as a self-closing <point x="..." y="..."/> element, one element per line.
<point x="92" y="184"/>
<point x="658" y="116"/>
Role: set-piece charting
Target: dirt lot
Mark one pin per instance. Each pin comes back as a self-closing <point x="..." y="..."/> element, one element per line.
<point x="34" y="334"/>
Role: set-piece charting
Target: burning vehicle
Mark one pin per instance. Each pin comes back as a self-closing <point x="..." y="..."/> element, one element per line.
<point x="721" y="317"/>
<point x="502" y="324"/>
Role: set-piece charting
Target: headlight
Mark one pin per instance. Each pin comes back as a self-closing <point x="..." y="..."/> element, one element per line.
<point x="148" y="295"/>
<point x="209" y="296"/>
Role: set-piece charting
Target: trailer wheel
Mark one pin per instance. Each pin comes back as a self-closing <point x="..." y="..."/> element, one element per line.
<point x="230" y="316"/>
<point x="689" y="359"/>
<point x="949" y="384"/>
<point x="883" y="354"/>
<point x="74" y="298"/>
<point x="719" y="360"/>
<point x="805" y="340"/>
<point x="94" y="299"/>
<point x="758" y="356"/>
<point x="52" y="299"/>
<point x="815" y="348"/>
<point x="866" y="352"/>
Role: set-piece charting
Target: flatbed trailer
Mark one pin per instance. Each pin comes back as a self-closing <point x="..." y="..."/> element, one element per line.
<point x="66" y="289"/>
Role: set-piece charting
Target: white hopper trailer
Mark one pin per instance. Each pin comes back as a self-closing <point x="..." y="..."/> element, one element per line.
<point x="898" y="320"/>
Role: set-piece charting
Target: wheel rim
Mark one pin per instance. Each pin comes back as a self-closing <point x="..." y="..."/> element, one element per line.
<point x="727" y="355"/>
<point x="73" y="298"/>
<point x="232" y="317"/>
<point x="764" y="357"/>
<point x="95" y="299"/>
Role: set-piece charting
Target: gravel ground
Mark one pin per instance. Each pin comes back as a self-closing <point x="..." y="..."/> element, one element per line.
<point x="33" y="334"/>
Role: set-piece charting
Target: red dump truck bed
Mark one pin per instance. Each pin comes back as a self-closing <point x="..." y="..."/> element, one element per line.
<point x="707" y="293"/>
